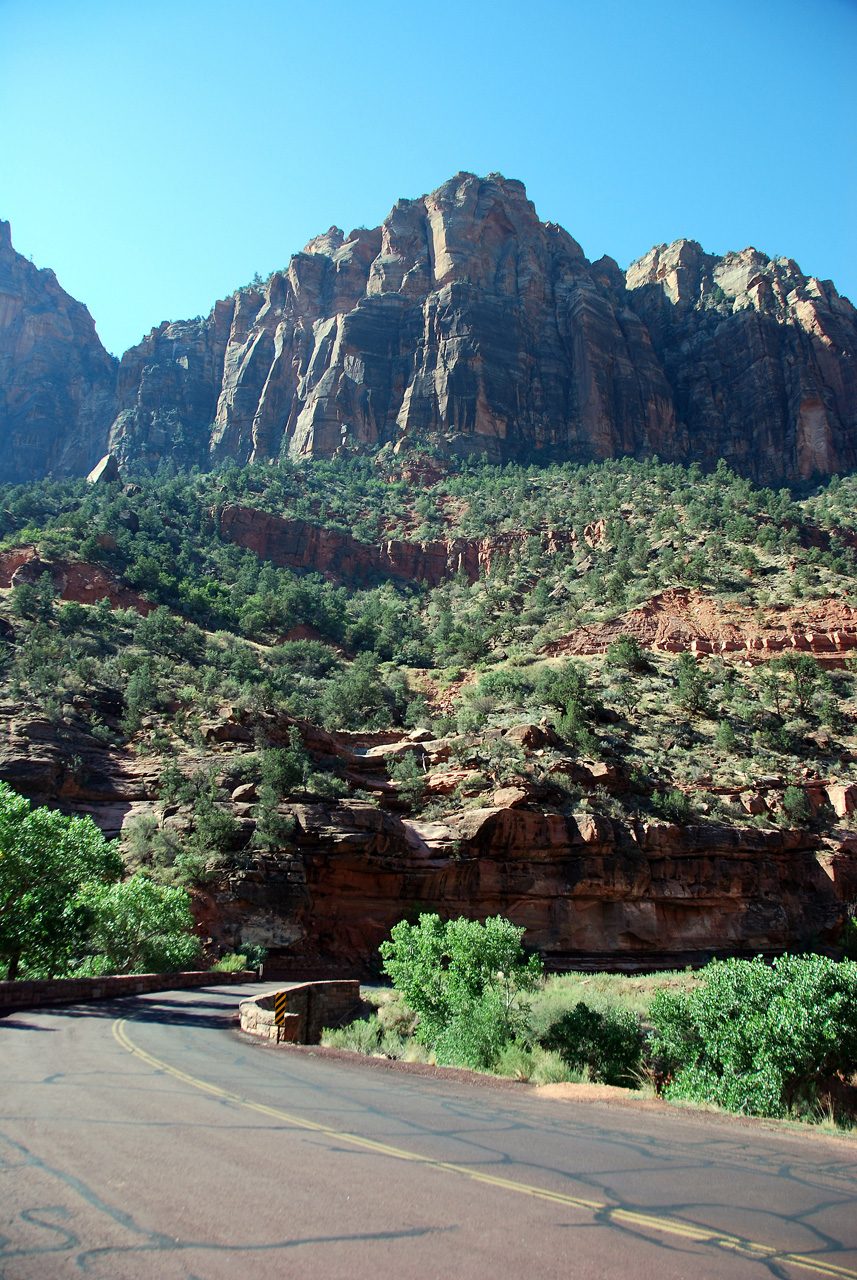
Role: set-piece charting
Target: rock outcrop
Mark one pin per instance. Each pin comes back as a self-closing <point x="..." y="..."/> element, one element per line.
<point x="300" y="544"/>
<point x="57" y="383"/>
<point x="464" y="321"/>
<point x="72" y="580"/>
<point x="588" y="890"/>
<point x="760" y="358"/>
<point x="685" y="620"/>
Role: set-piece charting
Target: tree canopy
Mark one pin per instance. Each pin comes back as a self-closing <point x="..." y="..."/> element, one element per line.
<point x="64" y="910"/>
<point x="45" y="858"/>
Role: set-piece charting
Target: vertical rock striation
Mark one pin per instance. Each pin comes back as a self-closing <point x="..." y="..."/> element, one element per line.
<point x="56" y="379"/>
<point x="762" y="360"/>
<point x="461" y="320"/>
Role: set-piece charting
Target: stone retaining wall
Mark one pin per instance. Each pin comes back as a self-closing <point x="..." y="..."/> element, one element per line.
<point x="310" y="1007"/>
<point x="50" y="991"/>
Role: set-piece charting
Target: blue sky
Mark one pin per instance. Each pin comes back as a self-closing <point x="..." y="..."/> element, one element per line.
<point x="157" y="154"/>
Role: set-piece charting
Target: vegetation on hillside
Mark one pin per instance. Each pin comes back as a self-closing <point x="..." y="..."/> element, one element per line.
<point x="674" y="737"/>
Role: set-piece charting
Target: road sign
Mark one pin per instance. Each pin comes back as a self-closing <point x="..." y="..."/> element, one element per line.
<point x="281" y="1000"/>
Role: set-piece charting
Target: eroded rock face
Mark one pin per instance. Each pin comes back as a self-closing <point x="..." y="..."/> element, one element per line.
<point x="588" y="889"/>
<point x="300" y="544"/>
<point x="682" y="619"/>
<point x="583" y="886"/>
<point x="72" y="579"/>
<point x="760" y="358"/>
<point x="56" y="379"/>
<point x="463" y="320"/>
<point x="461" y="315"/>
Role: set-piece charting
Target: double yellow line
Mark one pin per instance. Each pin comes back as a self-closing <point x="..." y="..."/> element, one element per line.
<point x="607" y="1213"/>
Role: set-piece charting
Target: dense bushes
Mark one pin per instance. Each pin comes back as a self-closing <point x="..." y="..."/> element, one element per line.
<point x="465" y="980"/>
<point x="63" y="909"/>
<point x="772" y="1040"/>
<point x="762" y="1039"/>
<point x="608" y="1044"/>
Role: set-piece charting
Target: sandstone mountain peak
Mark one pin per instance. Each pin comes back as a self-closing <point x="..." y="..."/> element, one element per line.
<point x="462" y="321"/>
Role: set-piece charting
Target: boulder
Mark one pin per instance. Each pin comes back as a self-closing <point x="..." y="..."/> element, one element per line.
<point x="843" y="797"/>
<point x="104" y="472"/>
<point x="531" y="736"/>
<point x="245" y="794"/>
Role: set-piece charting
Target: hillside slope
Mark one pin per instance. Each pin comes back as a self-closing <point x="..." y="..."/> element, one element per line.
<point x="614" y="702"/>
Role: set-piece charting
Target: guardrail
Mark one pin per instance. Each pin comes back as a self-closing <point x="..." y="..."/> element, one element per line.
<point x="31" y="994"/>
<point x="306" y="1008"/>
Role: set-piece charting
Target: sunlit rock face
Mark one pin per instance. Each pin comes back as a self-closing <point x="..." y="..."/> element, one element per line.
<point x="466" y="322"/>
<point x="461" y="318"/>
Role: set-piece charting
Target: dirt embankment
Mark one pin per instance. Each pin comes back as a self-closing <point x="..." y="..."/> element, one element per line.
<point x="683" y="619"/>
<point x="73" y="580"/>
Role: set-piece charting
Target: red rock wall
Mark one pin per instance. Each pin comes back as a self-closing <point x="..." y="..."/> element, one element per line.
<point x="584" y="887"/>
<point x="298" y="544"/>
<point x="74" y="580"/>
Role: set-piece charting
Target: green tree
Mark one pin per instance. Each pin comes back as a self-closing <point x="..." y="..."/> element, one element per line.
<point x="626" y="654"/>
<point x="691" y="684"/>
<point x="45" y="857"/>
<point x="138" y="927"/>
<point x="802" y="675"/>
<point x="796" y="805"/>
<point x="410" y="775"/>
<point x="567" y="689"/>
<point x="758" y="1038"/>
<point x="358" y="697"/>
<point x="465" y="980"/>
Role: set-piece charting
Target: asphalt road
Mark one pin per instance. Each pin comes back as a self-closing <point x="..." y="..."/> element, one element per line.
<point x="146" y="1139"/>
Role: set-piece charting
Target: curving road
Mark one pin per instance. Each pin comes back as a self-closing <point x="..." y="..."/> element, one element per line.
<point x="146" y="1140"/>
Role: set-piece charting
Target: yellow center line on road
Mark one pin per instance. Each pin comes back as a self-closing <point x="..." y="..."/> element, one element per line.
<point x="607" y="1213"/>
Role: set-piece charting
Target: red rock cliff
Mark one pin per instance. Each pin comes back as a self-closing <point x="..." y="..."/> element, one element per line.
<point x="465" y="320"/>
<point x="56" y="379"/>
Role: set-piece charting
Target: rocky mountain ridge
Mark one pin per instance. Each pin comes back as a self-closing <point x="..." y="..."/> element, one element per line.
<point x="462" y="321"/>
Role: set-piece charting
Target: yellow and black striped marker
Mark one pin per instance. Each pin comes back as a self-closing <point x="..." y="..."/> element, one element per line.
<point x="281" y="1000"/>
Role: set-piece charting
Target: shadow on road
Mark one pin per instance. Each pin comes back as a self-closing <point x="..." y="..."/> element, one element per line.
<point x="220" y="1011"/>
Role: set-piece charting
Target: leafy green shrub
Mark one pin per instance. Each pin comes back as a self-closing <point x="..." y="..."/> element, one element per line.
<point x="609" y="1043"/>
<point x="796" y="805"/>
<point x="756" y="1038"/>
<point x="725" y="738"/>
<point x="510" y="686"/>
<point x="673" y="805"/>
<point x="626" y="654"/>
<point x="465" y="980"/>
